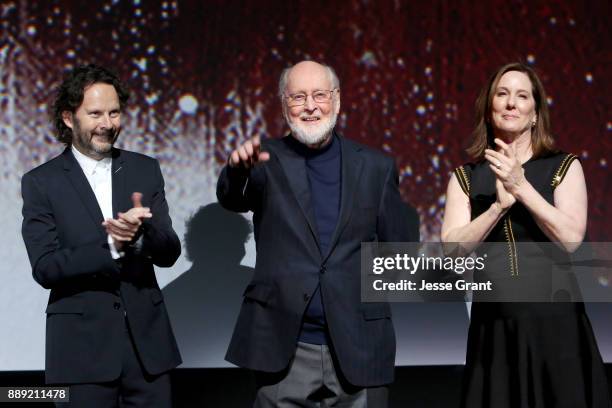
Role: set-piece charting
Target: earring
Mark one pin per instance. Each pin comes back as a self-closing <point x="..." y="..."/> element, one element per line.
<point x="533" y="124"/>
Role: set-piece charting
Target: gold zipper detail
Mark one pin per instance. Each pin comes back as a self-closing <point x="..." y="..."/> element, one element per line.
<point x="464" y="183"/>
<point x="465" y="178"/>
<point x="560" y="173"/>
<point x="511" y="246"/>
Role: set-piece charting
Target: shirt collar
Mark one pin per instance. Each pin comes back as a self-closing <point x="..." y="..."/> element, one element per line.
<point x="88" y="164"/>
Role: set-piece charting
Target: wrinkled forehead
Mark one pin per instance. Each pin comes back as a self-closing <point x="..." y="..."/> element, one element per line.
<point x="308" y="78"/>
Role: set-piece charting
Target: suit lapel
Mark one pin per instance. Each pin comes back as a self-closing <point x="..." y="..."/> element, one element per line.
<point x="84" y="191"/>
<point x="352" y="163"/>
<point x="121" y="200"/>
<point x="294" y="166"/>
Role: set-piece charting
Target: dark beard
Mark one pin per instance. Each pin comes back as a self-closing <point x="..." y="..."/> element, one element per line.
<point x="85" y="145"/>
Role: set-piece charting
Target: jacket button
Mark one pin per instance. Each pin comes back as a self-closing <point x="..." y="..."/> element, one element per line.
<point x="306" y="297"/>
<point x="116" y="305"/>
<point x="323" y="269"/>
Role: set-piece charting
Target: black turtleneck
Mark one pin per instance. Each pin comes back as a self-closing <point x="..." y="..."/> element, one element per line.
<point x="323" y="167"/>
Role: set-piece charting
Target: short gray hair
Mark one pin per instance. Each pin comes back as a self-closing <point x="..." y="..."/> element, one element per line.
<point x="282" y="83"/>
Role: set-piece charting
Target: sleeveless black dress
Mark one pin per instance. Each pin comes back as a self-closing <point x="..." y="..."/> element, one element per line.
<point x="529" y="354"/>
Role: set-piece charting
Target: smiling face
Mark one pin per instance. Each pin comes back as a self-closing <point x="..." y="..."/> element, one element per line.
<point x="95" y="124"/>
<point x="311" y="123"/>
<point x="513" y="108"/>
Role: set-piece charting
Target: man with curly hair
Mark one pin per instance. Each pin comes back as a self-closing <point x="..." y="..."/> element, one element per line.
<point x="95" y="221"/>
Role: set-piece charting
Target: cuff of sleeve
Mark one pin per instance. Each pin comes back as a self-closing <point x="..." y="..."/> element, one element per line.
<point x="237" y="172"/>
<point x="241" y="175"/>
<point x="115" y="254"/>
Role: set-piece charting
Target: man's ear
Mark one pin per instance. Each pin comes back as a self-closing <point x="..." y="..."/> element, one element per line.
<point x="337" y="107"/>
<point x="67" y="118"/>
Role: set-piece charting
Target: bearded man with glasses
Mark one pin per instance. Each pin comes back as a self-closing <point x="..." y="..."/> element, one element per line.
<point x="315" y="196"/>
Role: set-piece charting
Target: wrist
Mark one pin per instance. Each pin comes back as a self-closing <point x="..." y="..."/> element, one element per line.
<point x="115" y="247"/>
<point x="520" y="189"/>
<point x="498" y="209"/>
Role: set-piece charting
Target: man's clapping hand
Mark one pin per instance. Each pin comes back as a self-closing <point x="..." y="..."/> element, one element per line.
<point x="125" y="227"/>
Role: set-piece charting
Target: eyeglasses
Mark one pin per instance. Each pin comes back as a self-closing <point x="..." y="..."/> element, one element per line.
<point x="320" y="96"/>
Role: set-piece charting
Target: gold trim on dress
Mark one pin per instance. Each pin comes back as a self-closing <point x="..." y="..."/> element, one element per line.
<point x="464" y="182"/>
<point x="562" y="170"/>
<point x="511" y="246"/>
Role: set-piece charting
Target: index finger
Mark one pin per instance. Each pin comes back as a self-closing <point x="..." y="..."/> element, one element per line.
<point x="140" y="212"/>
<point x="129" y="218"/>
<point x="503" y="146"/>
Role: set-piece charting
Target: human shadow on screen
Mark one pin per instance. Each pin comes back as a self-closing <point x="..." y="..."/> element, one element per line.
<point x="204" y="301"/>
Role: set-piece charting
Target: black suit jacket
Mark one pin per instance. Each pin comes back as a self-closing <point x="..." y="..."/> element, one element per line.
<point x="69" y="254"/>
<point x="290" y="264"/>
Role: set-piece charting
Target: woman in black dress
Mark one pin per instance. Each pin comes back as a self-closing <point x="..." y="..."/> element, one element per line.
<point x="520" y="188"/>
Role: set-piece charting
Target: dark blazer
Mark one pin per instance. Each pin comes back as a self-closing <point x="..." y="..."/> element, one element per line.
<point x="68" y="250"/>
<point x="290" y="265"/>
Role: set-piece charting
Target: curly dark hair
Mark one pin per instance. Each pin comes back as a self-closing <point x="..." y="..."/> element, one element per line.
<point x="70" y="94"/>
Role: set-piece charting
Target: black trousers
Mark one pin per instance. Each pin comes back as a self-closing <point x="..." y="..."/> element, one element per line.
<point x="134" y="387"/>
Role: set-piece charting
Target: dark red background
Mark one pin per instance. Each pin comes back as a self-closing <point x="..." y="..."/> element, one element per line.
<point x="382" y="51"/>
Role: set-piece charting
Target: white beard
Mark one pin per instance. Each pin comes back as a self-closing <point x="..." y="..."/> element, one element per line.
<point x="313" y="135"/>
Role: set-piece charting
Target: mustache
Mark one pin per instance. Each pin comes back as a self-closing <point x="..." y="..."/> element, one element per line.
<point x="109" y="133"/>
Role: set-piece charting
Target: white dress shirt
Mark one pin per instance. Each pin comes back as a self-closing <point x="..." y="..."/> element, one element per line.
<point x="98" y="173"/>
